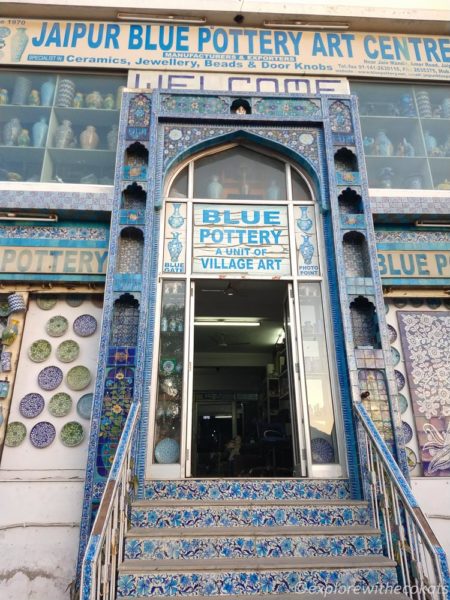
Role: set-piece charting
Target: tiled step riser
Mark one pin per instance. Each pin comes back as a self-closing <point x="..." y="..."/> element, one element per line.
<point x="268" y="516"/>
<point x="251" y="547"/>
<point x="210" y="583"/>
<point x="248" y="489"/>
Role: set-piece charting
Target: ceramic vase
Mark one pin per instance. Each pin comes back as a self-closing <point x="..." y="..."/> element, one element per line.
<point x="94" y="100"/>
<point x="64" y="136"/>
<point x="4" y="388"/>
<point x="39" y="133"/>
<point x="21" y="91"/>
<point x="430" y="142"/>
<point x="215" y="188"/>
<point x="5" y="361"/>
<point x="273" y="191"/>
<point x="19" y="42"/>
<point x="175" y="219"/>
<point x="47" y="91"/>
<point x="10" y="333"/>
<point x="111" y="138"/>
<point x="16" y="303"/>
<point x="78" y="100"/>
<point x="306" y="250"/>
<point x="89" y="138"/>
<point x="34" y="98"/>
<point x="66" y="93"/>
<point x="446" y="108"/>
<point x="383" y="144"/>
<point x="304" y="223"/>
<point x="23" y="138"/>
<point x="109" y="102"/>
<point x="175" y="247"/>
<point x="4" y="96"/>
<point x="11" y="132"/>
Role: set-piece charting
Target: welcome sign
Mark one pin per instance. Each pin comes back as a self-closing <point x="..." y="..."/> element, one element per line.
<point x="215" y="48"/>
<point x="241" y="239"/>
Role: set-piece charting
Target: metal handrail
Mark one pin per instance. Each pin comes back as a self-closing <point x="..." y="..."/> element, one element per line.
<point x="422" y="566"/>
<point x="104" y="551"/>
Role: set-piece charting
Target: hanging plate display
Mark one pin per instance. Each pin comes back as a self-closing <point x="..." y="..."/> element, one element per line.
<point x="57" y="326"/>
<point x="75" y="299"/>
<point x="167" y="451"/>
<point x="39" y="350"/>
<point x="97" y="300"/>
<point x="402" y="403"/>
<point x="411" y="458"/>
<point x="416" y="302"/>
<point x="407" y="432"/>
<point x="433" y="303"/>
<point x="85" y="325"/>
<point x="400" y="303"/>
<point x="68" y="351"/>
<point x="42" y="434"/>
<point x="395" y="356"/>
<point x="50" y="377"/>
<point x="392" y="334"/>
<point x="72" y="434"/>
<point x="78" y="378"/>
<point x="84" y="406"/>
<point x="46" y="302"/>
<point x="15" y="434"/>
<point x="60" y="404"/>
<point x="31" y="405"/>
<point x="400" y="379"/>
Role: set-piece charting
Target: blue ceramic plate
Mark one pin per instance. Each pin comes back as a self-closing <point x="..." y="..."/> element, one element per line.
<point x="407" y="432"/>
<point x="392" y="334"/>
<point x="322" y="451"/>
<point x="395" y="356"/>
<point x="167" y="451"/>
<point x="400" y="379"/>
<point x="84" y="406"/>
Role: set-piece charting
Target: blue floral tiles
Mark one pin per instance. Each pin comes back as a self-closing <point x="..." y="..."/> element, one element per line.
<point x="253" y="546"/>
<point x="261" y="582"/>
<point x="255" y="489"/>
<point x="251" y="516"/>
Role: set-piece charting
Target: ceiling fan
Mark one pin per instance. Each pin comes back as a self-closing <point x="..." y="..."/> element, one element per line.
<point x="222" y="342"/>
<point x="228" y="291"/>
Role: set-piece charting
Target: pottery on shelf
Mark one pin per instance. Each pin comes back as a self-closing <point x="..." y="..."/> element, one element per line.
<point x="78" y="100"/>
<point x="109" y="102"/>
<point x="34" y="99"/>
<point x="21" y="90"/>
<point x="47" y="91"/>
<point x="5" y="361"/>
<point x="10" y="333"/>
<point x="111" y="137"/>
<point x="65" y="93"/>
<point x="11" y="132"/>
<point x="215" y="188"/>
<point x="94" y="100"/>
<point x="89" y="138"/>
<point x="4" y="96"/>
<point x="383" y="145"/>
<point x="16" y="303"/>
<point x="414" y="181"/>
<point x="386" y="175"/>
<point x="430" y="142"/>
<point x="19" y="42"/>
<point x="39" y="132"/>
<point x="64" y="136"/>
<point x="23" y="138"/>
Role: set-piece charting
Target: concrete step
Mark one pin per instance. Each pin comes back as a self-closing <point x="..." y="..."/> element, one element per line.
<point x="255" y="488"/>
<point x="245" y="513"/>
<point x="388" y="593"/>
<point x="251" y="542"/>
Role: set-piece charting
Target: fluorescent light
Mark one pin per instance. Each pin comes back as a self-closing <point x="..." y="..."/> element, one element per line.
<point x="226" y="323"/>
<point x="122" y="16"/>
<point x="303" y="25"/>
<point x="11" y="216"/>
<point x="444" y="223"/>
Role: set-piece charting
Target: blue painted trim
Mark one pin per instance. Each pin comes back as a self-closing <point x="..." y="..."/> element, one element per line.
<point x="59" y="277"/>
<point x="53" y="243"/>
<point x="414" y="281"/>
<point x="413" y="245"/>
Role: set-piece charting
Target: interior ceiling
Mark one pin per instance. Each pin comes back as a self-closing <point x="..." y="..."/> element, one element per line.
<point x="254" y="300"/>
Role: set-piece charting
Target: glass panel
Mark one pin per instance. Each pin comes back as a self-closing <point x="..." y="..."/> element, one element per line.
<point x="170" y="381"/>
<point x="179" y="187"/>
<point x="318" y="389"/>
<point x="61" y="128"/>
<point x="300" y="189"/>
<point x="239" y="173"/>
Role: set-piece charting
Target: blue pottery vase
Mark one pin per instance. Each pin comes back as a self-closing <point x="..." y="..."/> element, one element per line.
<point x="175" y="247"/>
<point x="47" y="91"/>
<point x="39" y="133"/>
<point x="21" y="91"/>
<point x="175" y="219"/>
<point x="304" y="223"/>
<point x="306" y="250"/>
<point x="215" y="188"/>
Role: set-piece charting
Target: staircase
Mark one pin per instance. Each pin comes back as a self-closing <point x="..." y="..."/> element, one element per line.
<point x="235" y="537"/>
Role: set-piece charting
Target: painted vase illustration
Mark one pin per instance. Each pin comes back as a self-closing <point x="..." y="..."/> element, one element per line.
<point x="175" y="247"/>
<point x="304" y="223"/>
<point x="306" y="250"/>
<point x="19" y="42"/>
<point x="175" y="219"/>
<point x="39" y="133"/>
<point x="47" y="91"/>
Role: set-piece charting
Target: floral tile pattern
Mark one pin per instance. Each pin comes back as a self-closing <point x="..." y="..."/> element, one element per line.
<point x="243" y="583"/>
<point x="250" y="489"/>
<point x="256" y="516"/>
<point x="425" y="341"/>
<point x="253" y="547"/>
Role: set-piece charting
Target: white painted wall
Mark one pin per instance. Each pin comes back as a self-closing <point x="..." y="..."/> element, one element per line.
<point x="433" y="495"/>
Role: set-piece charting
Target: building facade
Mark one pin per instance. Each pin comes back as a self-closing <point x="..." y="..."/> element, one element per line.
<point x="231" y="227"/>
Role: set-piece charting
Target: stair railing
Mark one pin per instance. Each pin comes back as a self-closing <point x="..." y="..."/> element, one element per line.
<point x="422" y="566"/>
<point x="104" y="550"/>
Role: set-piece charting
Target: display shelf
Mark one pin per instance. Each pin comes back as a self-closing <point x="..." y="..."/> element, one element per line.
<point x="88" y="116"/>
<point x="403" y="172"/>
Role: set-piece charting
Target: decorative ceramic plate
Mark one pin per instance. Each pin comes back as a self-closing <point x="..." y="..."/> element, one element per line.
<point x="46" y="302"/>
<point x="447" y="303"/>
<point x="68" y="351"/>
<point x="306" y="139"/>
<point x="50" y="377"/>
<point x="85" y="325"/>
<point x="400" y="379"/>
<point x="416" y="302"/>
<point x="72" y="434"/>
<point x="15" y="434"/>
<point x="322" y="451"/>
<point x="395" y="356"/>
<point x="411" y="458"/>
<point x="402" y="403"/>
<point x="407" y="432"/>
<point x="39" y="350"/>
<point x="42" y="434"/>
<point x="84" y="406"/>
<point x="392" y="334"/>
<point x="78" y="378"/>
<point x="31" y="405"/>
<point x="75" y="299"/>
<point x="97" y="300"/>
<point x="399" y="303"/>
<point x="60" y="404"/>
<point x="167" y="451"/>
<point x="57" y="326"/>
<point x="433" y="303"/>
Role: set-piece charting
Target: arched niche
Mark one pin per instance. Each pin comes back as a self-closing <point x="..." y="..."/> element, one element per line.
<point x="133" y="198"/>
<point x="240" y="106"/>
<point x="130" y="251"/>
<point x="136" y="161"/>
<point x="345" y="161"/>
<point x="356" y="255"/>
<point x="364" y="323"/>
<point x="350" y="202"/>
<point x="125" y="321"/>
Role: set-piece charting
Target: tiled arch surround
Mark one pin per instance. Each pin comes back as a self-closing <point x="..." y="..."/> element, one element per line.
<point x="334" y="160"/>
